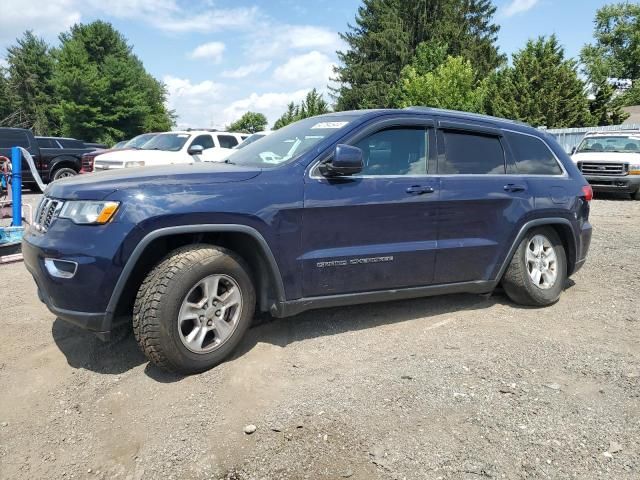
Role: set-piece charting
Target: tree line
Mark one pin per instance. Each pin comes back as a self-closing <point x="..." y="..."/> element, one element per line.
<point x="443" y="53"/>
<point x="91" y="87"/>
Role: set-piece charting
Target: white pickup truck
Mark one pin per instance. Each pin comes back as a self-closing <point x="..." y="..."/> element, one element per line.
<point x="610" y="161"/>
<point x="188" y="146"/>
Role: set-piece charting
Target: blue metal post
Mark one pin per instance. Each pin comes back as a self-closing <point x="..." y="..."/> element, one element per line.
<point x="16" y="186"/>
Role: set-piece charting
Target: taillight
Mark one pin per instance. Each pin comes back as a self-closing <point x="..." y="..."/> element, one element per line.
<point x="587" y="192"/>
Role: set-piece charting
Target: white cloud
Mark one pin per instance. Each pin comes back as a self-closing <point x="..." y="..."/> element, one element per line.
<point x="272" y="105"/>
<point x="209" y="51"/>
<point x="246" y="70"/>
<point x="271" y="40"/>
<point x="313" y="69"/>
<point x="196" y="104"/>
<point x="3" y="63"/>
<point x="518" y="6"/>
<point x="44" y="18"/>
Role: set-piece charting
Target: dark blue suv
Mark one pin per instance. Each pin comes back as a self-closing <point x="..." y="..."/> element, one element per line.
<point x="339" y="209"/>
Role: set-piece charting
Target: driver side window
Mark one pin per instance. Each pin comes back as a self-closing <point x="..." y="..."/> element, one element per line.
<point x="395" y="151"/>
<point x="205" y="141"/>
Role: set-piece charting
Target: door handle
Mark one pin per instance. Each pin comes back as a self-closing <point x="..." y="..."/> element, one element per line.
<point x="512" y="187"/>
<point x="419" y="190"/>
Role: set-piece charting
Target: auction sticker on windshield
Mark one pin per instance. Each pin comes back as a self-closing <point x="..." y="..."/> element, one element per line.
<point x="329" y="125"/>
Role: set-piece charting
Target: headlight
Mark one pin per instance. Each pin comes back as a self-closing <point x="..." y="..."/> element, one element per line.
<point x="139" y="163"/>
<point x="86" y="212"/>
<point x="634" y="169"/>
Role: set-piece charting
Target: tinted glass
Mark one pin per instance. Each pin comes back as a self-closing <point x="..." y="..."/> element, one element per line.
<point x="227" y="141"/>
<point x="206" y="141"/>
<point x="288" y="143"/>
<point x="10" y="138"/>
<point x="70" y="143"/>
<point x="532" y="156"/>
<point x="47" y="143"/>
<point x="251" y="139"/>
<point x="397" y="151"/>
<point x="469" y="153"/>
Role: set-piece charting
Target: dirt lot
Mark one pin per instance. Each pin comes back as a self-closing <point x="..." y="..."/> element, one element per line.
<point x="451" y="387"/>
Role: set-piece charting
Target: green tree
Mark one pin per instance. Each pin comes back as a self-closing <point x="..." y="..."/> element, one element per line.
<point x="105" y="93"/>
<point x="313" y="104"/>
<point x="385" y="37"/>
<point x="541" y="88"/>
<point x="7" y="98"/>
<point x="31" y="67"/>
<point x="250" y="122"/>
<point x="451" y="85"/>
<point x="614" y="54"/>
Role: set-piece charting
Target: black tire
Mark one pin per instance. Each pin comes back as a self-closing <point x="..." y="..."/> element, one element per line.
<point x="158" y="302"/>
<point x="519" y="285"/>
<point x="63" y="172"/>
<point x="636" y="196"/>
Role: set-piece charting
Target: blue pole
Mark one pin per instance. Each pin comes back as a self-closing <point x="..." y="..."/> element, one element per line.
<point x="16" y="186"/>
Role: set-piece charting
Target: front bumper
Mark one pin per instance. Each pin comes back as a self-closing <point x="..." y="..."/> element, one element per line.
<point x="83" y="299"/>
<point x="622" y="184"/>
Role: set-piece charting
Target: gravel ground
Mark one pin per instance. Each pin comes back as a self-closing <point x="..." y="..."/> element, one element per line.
<point x="460" y="387"/>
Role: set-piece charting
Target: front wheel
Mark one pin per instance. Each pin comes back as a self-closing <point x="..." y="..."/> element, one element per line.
<point x="538" y="270"/>
<point x="193" y="308"/>
<point x="636" y="196"/>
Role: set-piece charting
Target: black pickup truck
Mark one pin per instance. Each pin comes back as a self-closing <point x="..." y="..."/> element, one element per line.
<point x="54" y="157"/>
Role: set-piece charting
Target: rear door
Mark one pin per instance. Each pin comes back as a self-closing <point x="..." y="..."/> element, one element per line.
<point x="375" y="230"/>
<point x="482" y="201"/>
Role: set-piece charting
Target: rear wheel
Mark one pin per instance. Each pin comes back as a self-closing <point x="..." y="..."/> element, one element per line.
<point x="193" y="308"/>
<point x="64" y="172"/>
<point x="538" y="270"/>
<point x="636" y="196"/>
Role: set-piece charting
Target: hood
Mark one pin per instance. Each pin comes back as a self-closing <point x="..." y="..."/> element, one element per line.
<point x="159" y="156"/>
<point x="97" y="186"/>
<point x="102" y="151"/>
<point x="613" y="157"/>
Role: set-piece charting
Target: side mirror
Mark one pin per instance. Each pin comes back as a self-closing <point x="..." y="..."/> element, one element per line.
<point x="195" y="150"/>
<point x="347" y="160"/>
<point x="573" y="150"/>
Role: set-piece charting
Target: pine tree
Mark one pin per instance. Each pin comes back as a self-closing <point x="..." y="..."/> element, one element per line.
<point x="313" y="104"/>
<point x="105" y="92"/>
<point x="31" y="67"/>
<point x="7" y="98"/>
<point x="387" y="33"/>
<point x="541" y="88"/>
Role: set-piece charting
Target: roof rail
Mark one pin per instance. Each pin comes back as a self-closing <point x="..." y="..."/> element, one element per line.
<point x="478" y="116"/>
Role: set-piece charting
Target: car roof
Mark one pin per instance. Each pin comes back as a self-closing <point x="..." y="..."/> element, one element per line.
<point x="614" y="133"/>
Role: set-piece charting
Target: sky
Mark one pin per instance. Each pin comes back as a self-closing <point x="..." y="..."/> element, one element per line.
<point x="221" y="58"/>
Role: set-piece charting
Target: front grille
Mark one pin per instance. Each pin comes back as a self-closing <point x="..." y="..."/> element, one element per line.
<point x="604" y="169"/>
<point x="48" y="210"/>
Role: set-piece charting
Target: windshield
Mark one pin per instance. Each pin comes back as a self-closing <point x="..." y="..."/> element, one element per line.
<point x="139" y="141"/>
<point x="170" y="142"/>
<point x="250" y="139"/>
<point x="620" y="144"/>
<point x="289" y="142"/>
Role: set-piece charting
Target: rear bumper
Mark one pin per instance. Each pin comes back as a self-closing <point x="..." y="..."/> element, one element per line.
<point x="623" y="184"/>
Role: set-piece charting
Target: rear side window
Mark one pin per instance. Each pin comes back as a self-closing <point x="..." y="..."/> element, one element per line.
<point x="532" y="155"/>
<point x="71" y="143"/>
<point x="471" y="153"/>
<point x="10" y="138"/>
<point x="227" y="141"/>
<point x="47" y="143"/>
